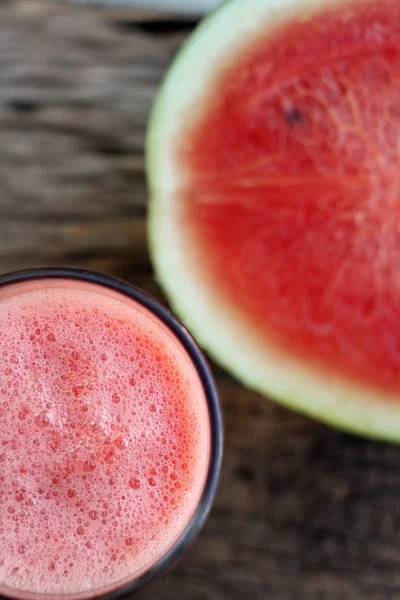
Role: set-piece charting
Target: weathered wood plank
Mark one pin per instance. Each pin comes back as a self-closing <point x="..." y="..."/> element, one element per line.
<point x="302" y="512"/>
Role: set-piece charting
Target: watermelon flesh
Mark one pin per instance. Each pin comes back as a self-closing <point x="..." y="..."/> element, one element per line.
<point x="291" y="191"/>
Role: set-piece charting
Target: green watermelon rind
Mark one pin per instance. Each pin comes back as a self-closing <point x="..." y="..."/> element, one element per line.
<point x="219" y="328"/>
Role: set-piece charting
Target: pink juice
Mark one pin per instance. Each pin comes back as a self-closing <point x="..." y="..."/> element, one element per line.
<point x="104" y="438"/>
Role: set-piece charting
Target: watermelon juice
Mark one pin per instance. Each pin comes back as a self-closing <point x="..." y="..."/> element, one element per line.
<point x="109" y="436"/>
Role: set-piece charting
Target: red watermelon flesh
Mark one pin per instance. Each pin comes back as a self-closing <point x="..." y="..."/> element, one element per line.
<point x="293" y="189"/>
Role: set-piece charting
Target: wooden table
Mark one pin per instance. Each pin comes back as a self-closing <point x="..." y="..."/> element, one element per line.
<point x="303" y="512"/>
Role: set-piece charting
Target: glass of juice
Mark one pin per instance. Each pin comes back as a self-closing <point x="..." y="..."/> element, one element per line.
<point x="110" y="436"/>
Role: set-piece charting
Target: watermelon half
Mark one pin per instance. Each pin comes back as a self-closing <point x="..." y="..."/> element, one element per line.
<point x="274" y="175"/>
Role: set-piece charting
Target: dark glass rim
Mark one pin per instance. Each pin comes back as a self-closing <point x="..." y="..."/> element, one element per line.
<point x="206" y="377"/>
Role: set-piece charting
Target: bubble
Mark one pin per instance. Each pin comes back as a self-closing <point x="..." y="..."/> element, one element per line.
<point x="21" y="549"/>
<point x="129" y="541"/>
<point x="115" y="398"/>
<point x="122" y="443"/>
<point x="80" y="530"/>
<point x="77" y="391"/>
<point x="42" y="420"/>
<point x="152" y="482"/>
<point x="70" y="493"/>
<point x="89" y="466"/>
<point x="110" y="458"/>
<point x="134" y="483"/>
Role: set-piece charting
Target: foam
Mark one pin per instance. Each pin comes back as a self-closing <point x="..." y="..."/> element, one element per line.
<point x="103" y="440"/>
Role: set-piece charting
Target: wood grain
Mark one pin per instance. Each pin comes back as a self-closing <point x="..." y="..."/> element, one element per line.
<point x="302" y="512"/>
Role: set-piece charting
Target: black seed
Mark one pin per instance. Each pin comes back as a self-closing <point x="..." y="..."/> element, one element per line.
<point x="294" y="116"/>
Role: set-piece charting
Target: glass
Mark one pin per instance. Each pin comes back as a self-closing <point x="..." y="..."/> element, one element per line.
<point x="21" y="281"/>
